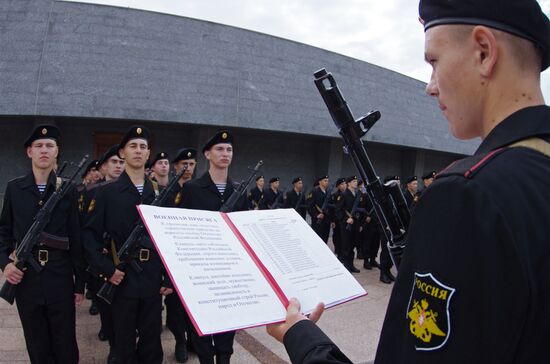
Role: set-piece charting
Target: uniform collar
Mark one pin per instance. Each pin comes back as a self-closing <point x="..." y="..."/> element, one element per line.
<point x="29" y="182"/>
<point x="525" y="123"/>
<point x="205" y="181"/>
<point x="126" y="183"/>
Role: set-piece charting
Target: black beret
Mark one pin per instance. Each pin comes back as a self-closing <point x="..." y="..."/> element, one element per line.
<point x="223" y="136"/>
<point x="92" y="164"/>
<point x="339" y="181"/>
<point x="412" y="179"/>
<point x="429" y="175"/>
<point x="158" y="157"/>
<point x="135" y="132"/>
<point x="185" y="153"/>
<point x="322" y="177"/>
<point x="274" y="179"/>
<point x="350" y="178"/>
<point x="297" y="179"/>
<point x="522" y="18"/>
<point x="257" y="178"/>
<point x="113" y="150"/>
<point x="43" y="132"/>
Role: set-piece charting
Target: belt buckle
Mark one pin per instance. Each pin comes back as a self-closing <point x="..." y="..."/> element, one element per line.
<point x="43" y="256"/>
<point x="144" y="255"/>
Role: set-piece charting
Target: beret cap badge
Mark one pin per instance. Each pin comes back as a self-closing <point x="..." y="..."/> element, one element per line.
<point x="44" y="131"/>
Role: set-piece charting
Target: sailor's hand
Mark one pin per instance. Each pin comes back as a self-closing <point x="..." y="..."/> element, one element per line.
<point x="13" y="274"/>
<point x="293" y="316"/>
<point x="78" y="298"/>
<point x="117" y="277"/>
<point x="165" y="291"/>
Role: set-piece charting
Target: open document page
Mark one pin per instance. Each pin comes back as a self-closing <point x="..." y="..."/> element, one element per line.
<point x="238" y="270"/>
<point x="216" y="279"/>
<point x="299" y="261"/>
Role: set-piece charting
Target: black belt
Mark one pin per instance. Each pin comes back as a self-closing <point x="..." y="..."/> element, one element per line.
<point x="43" y="256"/>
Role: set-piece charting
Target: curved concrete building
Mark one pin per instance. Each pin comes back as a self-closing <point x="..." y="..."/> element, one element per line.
<point x="94" y="70"/>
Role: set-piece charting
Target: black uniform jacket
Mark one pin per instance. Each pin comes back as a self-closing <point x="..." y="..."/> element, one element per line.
<point x="473" y="285"/>
<point x="255" y="198"/>
<point x="60" y="278"/>
<point x="295" y="201"/>
<point x="314" y="201"/>
<point x="270" y="197"/>
<point x="202" y="194"/>
<point x="344" y="206"/>
<point x="115" y="213"/>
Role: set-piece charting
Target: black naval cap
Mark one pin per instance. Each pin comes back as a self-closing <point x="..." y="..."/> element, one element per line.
<point x="257" y="178"/>
<point x="429" y="175"/>
<point x="158" y="157"/>
<point x="274" y="179"/>
<point x="340" y="180"/>
<point x="350" y="178"/>
<point x="185" y="153"/>
<point x="412" y="179"/>
<point x="222" y="136"/>
<point x="522" y="18"/>
<point x="297" y="179"/>
<point x="135" y="132"/>
<point x="43" y="132"/>
<point x="113" y="150"/>
<point x="321" y="178"/>
<point x="92" y="164"/>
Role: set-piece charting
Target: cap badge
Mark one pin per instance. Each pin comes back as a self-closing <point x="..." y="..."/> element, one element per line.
<point x="189" y="154"/>
<point x="44" y="131"/>
<point x="139" y="131"/>
<point x="162" y="154"/>
<point x="224" y="135"/>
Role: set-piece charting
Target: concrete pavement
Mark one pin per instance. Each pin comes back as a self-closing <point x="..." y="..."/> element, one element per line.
<point x="354" y="326"/>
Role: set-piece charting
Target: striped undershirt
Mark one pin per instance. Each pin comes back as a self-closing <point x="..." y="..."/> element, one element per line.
<point x="41" y="188"/>
<point x="221" y="187"/>
<point x="140" y="189"/>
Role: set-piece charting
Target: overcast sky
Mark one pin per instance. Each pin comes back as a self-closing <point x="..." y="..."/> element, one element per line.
<point x="383" y="32"/>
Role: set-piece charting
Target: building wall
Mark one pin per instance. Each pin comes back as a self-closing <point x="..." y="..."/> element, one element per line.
<point x="84" y="60"/>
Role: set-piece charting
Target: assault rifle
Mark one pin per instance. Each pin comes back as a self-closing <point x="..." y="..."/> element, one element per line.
<point x="324" y="206"/>
<point x="24" y="252"/>
<point x="355" y="208"/>
<point x="279" y="198"/>
<point x="126" y="253"/>
<point x="229" y="205"/>
<point x="389" y="203"/>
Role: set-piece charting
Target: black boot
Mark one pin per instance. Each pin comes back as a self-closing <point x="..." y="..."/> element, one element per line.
<point x="93" y="308"/>
<point x="367" y="265"/>
<point x="223" y="359"/>
<point x="111" y="359"/>
<point x="101" y="335"/>
<point x="181" y="351"/>
<point x="391" y="276"/>
<point x="384" y="276"/>
<point x="352" y="269"/>
<point x="373" y="263"/>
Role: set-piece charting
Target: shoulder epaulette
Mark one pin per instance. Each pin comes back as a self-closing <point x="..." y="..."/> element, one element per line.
<point x="96" y="185"/>
<point x="469" y="166"/>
